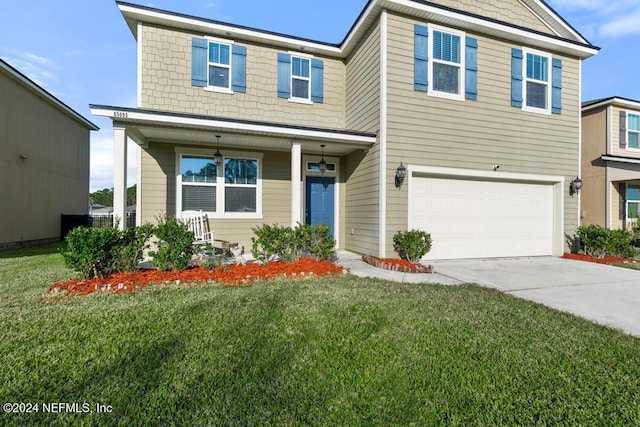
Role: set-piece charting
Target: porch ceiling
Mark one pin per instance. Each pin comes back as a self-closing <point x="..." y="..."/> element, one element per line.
<point x="145" y="126"/>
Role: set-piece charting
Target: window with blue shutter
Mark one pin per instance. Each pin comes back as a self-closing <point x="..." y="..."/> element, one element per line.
<point x="536" y="81"/>
<point x="300" y="78"/>
<point x="218" y="65"/>
<point x="633" y="131"/>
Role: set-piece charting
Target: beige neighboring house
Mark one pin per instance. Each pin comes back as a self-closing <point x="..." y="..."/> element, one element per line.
<point x="44" y="158"/>
<point x="479" y="100"/>
<point x="611" y="162"/>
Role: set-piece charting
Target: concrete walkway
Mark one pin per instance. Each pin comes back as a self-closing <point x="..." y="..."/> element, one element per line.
<point x="603" y="294"/>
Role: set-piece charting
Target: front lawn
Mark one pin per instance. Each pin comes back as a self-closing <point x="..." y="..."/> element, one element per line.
<point x="344" y="351"/>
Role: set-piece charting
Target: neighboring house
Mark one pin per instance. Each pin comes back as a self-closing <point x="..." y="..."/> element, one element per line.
<point x="44" y="153"/>
<point x="611" y="162"/>
<point x="478" y="99"/>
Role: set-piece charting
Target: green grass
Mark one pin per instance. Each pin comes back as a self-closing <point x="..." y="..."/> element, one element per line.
<point x="344" y="351"/>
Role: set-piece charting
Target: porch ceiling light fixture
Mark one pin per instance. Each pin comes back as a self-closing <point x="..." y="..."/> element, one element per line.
<point x="219" y="158"/>
<point x="401" y="173"/>
<point x="575" y="186"/>
<point x="322" y="164"/>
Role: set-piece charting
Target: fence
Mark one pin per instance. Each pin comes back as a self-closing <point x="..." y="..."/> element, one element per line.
<point x="100" y="221"/>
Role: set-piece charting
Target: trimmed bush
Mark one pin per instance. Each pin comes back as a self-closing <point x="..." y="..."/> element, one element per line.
<point x="99" y="252"/>
<point x="175" y="244"/>
<point x="600" y="242"/>
<point x="412" y="245"/>
<point x="289" y="244"/>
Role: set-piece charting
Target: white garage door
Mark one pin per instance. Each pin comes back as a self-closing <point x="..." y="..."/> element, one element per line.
<point x="482" y="219"/>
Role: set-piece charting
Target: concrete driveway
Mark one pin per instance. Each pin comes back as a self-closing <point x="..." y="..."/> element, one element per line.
<point x="604" y="294"/>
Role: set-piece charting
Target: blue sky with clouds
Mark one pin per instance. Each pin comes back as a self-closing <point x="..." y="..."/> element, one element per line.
<point x="83" y="52"/>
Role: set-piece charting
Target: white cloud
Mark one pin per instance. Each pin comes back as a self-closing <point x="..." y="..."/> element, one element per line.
<point x="211" y="5"/>
<point x="622" y="25"/>
<point x="37" y="68"/>
<point x="101" y="164"/>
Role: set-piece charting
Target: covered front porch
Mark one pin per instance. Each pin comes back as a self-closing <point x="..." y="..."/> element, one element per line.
<point x="623" y="191"/>
<point x="241" y="173"/>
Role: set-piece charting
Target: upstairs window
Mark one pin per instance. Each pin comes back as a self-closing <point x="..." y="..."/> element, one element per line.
<point x="537" y="88"/>
<point x="300" y="78"/>
<point x="446" y="69"/>
<point x="219" y="65"/>
<point x="633" y="131"/>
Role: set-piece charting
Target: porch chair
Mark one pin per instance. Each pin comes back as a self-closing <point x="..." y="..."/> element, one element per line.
<point x="199" y="224"/>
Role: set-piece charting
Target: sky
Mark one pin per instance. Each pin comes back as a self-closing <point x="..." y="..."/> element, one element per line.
<point x="82" y="51"/>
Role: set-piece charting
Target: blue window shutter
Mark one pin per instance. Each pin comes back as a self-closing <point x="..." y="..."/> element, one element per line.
<point x="199" y="62"/>
<point x="516" y="77"/>
<point x="556" y="86"/>
<point x="421" y="58"/>
<point x="239" y="68"/>
<point x="317" y="80"/>
<point x="623" y="129"/>
<point x="284" y="75"/>
<point x="471" y="65"/>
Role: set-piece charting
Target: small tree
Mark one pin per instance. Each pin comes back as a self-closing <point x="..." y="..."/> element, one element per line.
<point x="412" y="245"/>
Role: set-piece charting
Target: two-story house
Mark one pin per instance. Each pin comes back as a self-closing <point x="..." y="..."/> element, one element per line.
<point x="460" y="117"/>
<point x="611" y="162"/>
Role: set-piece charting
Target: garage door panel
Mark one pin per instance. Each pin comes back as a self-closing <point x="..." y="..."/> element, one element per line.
<point x="478" y="219"/>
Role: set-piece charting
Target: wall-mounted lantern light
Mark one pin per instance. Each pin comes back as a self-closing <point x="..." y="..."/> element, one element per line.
<point x="575" y="186"/>
<point x="401" y="173"/>
<point x="219" y="158"/>
<point x="322" y="164"/>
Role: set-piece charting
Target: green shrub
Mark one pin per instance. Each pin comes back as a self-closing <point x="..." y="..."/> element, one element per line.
<point x="600" y="242"/>
<point x="174" y="246"/>
<point x="289" y="244"/>
<point x="98" y="252"/>
<point x="316" y="241"/>
<point x="412" y="245"/>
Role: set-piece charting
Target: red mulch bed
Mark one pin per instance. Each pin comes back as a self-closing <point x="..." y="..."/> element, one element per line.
<point x="604" y="260"/>
<point x="231" y="275"/>
<point x="396" y="264"/>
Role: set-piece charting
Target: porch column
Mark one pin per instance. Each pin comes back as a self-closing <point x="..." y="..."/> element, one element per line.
<point x="296" y="166"/>
<point x="120" y="176"/>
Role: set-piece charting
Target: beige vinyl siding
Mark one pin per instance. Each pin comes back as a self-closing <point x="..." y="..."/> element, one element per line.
<point x="362" y="213"/>
<point x="431" y="131"/>
<point x="166" y="85"/>
<point x="159" y="192"/>
<point x="54" y="177"/>
<point x="593" y="173"/>
<point x="617" y="208"/>
<point x="363" y="85"/>
<point x="615" y="134"/>
<point x="511" y="11"/>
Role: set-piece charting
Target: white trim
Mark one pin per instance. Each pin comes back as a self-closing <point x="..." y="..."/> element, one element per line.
<point x="628" y="147"/>
<point x="301" y="100"/>
<point x="579" y="140"/>
<point x="556" y="180"/>
<point x="219" y="89"/>
<point x="525" y="80"/>
<point x="138" y="185"/>
<point x="209" y="86"/>
<point x="139" y="67"/>
<point x="296" y="178"/>
<point x="618" y="101"/>
<point x="336" y="189"/>
<point x="608" y="130"/>
<point x="382" y="207"/>
<point x="305" y="79"/>
<point x="125" y="115"/>
<point x="460" y="96"/>
<point x="462" y="20"/>
<point x="120" y="175"/>
<point x="620" y="160"/>
<point x="220" y="183"/>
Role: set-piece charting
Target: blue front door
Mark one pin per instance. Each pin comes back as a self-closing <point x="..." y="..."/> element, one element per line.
<point x="320" y="201"/>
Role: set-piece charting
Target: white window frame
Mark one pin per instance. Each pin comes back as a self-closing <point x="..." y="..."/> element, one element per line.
<point x="627" y="201"/>
<point x="209" y="86"/>
<point x="292" y="98"/>
<point x="220" y="182"/>
<point x="525" y="80"/>
<point x="462" y="66"/>
<point x="630" y="131"/>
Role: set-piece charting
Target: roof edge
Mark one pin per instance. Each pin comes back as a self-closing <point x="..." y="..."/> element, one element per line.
<point x="600" y="102"/>
<point x="30" y="84"/>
